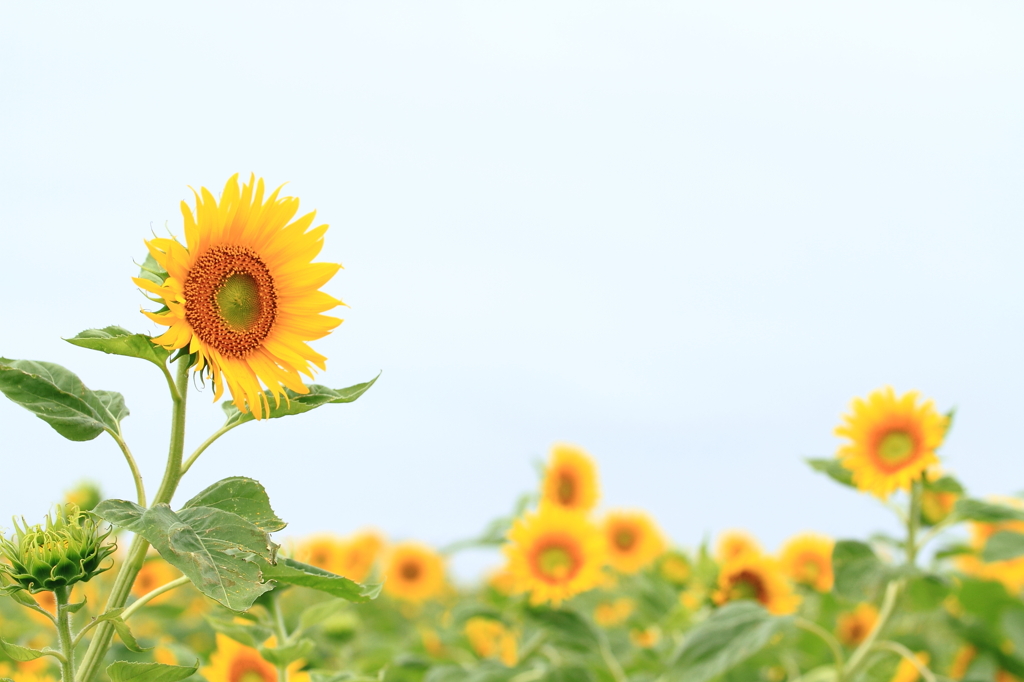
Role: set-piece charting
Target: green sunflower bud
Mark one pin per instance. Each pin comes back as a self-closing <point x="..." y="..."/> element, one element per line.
<point x="67" y="549"/>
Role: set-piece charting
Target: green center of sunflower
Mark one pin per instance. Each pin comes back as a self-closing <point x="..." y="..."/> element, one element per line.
<point x="748" y="586"/>
<point x="625" y="539"/>
<point x="555" y="562"/>
<point x="811" y="570"/>
<point x="239" y="301"/>
<point x="896" y="447"/>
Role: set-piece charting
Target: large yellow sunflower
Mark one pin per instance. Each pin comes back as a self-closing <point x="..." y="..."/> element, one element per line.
<point x="807" y="559"/>
<point x="892" y="440"/>
<point x="235" y="662"/>
<point x="634" y="540"/>
<point x="555" y="554"/>
<point x="242" y="292"/>
<point x="570" y="479"/>
<point x="755" y="576"/>
<point x="413" y="572"/>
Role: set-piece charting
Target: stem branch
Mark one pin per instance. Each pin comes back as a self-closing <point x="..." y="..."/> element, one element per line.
<point x="140" y="490"/>
<point x="144" y="599"/>
<point x="906" y="653"/>
<point x="202" y="448"/>
<point x="828" y="638"/>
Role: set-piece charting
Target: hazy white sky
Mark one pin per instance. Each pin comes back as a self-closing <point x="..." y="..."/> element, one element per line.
<point x="681" y="235"/>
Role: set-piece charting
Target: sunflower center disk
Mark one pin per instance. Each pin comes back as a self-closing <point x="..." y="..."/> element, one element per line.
<point x="748" y="586"/>
<point x="896" y="447"/>
<point x="410" y="571"/>
<point x="231" y="302"/>
<point x="555" y="562"/>
<point x="566" y="489"/>
<point x="625" y="539"/>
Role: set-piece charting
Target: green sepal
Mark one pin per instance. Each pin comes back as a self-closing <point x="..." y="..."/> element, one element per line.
<point x="216" y="549"/>
<point x="152" y="270"/>
<point x="58" y="397"/>
<point x="297" y="403"/>
<point x="116" y="340"/>
<point x="731" y="635"/>
<point x="242" y="496"/>
<point x="290" y="572"/>
<point x="75" y="608"/>
<point x="283" y="656"/>
<point x="130" y="671"/>
<point x="834" y="470"/>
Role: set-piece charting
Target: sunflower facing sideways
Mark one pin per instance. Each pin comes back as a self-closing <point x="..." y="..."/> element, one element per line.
<point x="555" y="554"/>
<point x="807" y="559"/>
<point x="757" y="577"/>
<point x="243" y="294"/>
<point x="570" y="479"/>
<point x="892" y="440"/>
<point x="634" y="540"/>
<point x="235" y="662"/>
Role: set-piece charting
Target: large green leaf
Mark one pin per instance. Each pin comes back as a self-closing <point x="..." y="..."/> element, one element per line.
<point x="120" y="341"/>
<point x="856" y="568"/>
<point x="836" y="471"/>
<point x="126" y="671"/>
<point x="1003" y="545"/>
<point x="297" y="403"/>
<point x="59" y="398"/>
<point x="17" y="652"/>
<point x="986" y="512"/>
<point x="216" y="549"/>
<point x="242" y="496"/>
<point x="731" y="635"/>
<point x="291" y="572"/>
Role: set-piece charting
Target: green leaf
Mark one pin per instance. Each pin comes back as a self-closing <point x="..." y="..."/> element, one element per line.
<point x="127" y="638"/>
<point x="216" y="549"/>
<point x="836" y="471"/>
<point x="59" y="398"/>
<point x="291" y="572"/>
<point x="125" y="671"/>
<point x="927" y="592"/>
<point x="986" y="512"/>
<point x="250" y="634"/>
<point x="566" y="623"/>
<point x="21" y="653"/>
<point x="319" y="612"/>
<point x="857" y="569"/>
<point x="945" y="484"/>
<point x="242" y="496"/>
<point x="1003" y="545"/>
<point x="953" y="550"/>
<point x="298" y="403"/>
<point x="119" y="341"/>
<point x="731" y="635"/>
<point x="285" y="655"/>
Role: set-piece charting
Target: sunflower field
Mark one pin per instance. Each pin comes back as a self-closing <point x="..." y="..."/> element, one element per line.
<point x="146" y="587"/>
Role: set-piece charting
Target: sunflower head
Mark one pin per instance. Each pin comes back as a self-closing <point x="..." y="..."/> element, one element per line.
<point x="490" y="638"/>
<point x="675" y="567"/>
<point x="890" y="440"/>
<point x="633" y="539"/>
<point x="757" y="577"/>
<point x="324" y="551"/>
<point x="853" y="626"/>
<point x="154" y="573"/>
<point x="555" y="554"/>
<point x="612" y="613"/>
<point x="734" y="543"/>
<point x="242" y="294"/>
<point x="414" y="572"/>
<point x="235" y="662"/>
<point x="570" y="479"/>
<point x="807" y="559"/>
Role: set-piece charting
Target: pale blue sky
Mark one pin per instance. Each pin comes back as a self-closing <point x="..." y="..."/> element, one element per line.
<point x="681" y="235"/>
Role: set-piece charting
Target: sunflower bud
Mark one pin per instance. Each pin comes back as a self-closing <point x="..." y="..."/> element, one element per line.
<point x="67" y="549"/>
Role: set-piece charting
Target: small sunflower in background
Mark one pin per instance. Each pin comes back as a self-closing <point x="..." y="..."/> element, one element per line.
<point x="243" y="294"/>
<point x="891" y="440"/>
<point x="757" y="577"/>
<point x="555" y="554"/>
<point x="962" y="660"/>
<point x="155" y="572"/>
<point x="413" y="572"/>
<point x="324" y="550"/>
<point x="490" y="638"/>
<point x="235" y="662"/>
<point x="675" y="567"/>
<point x="853" y="626"/>
<point x="734" y="543"/>
<point x="570" y="479"/>
<point x="610" y="614"/>
<point x="1009" y="572"/>
<point x="908" y="671"/>
<point x="634" y="540"/>
<point x="807" y="559"/>
<point x="359" y="554"/>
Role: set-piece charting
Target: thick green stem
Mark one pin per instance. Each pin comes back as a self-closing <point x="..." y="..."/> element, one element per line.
<point x="64" y="638"/>
<point x="122" y="588"/>
<point x="913" y="520"/>
<point x="281" y="630"/>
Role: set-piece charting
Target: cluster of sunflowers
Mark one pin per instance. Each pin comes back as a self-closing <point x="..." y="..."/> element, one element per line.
<point x="202" y="591"/>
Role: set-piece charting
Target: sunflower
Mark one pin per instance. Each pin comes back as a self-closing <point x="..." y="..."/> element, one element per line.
<point x="758" y="577"/>
<point x="235" y="662"/>
<point x="853" y="626"/>
<point x="324" y="551"/>
<point x="675" y="567"/>
<point x="807" y="559"/>
<point x="646" y="638"/>
<point x="414" y="572"/>
<point x="892" y="440"/>
<point x="570" y="479"/>
<point x="907" y="671"/>
<point x="734" y="543"/>
<point x="154" y="573"/>
<point x="555" y="554"/>
<point x="360" y="553"/>
<point x="937" y="505"/>
<point x="242" y="292"/>
<point x="633" y="540"/>
<point x="490" y="638"/>
<point x="610" y="614"/>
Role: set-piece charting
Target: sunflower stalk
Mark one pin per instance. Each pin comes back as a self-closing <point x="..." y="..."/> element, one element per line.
<point x="281" y="630"/>
<point x="66" y="642"/>
<point x="122" y="587"/>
